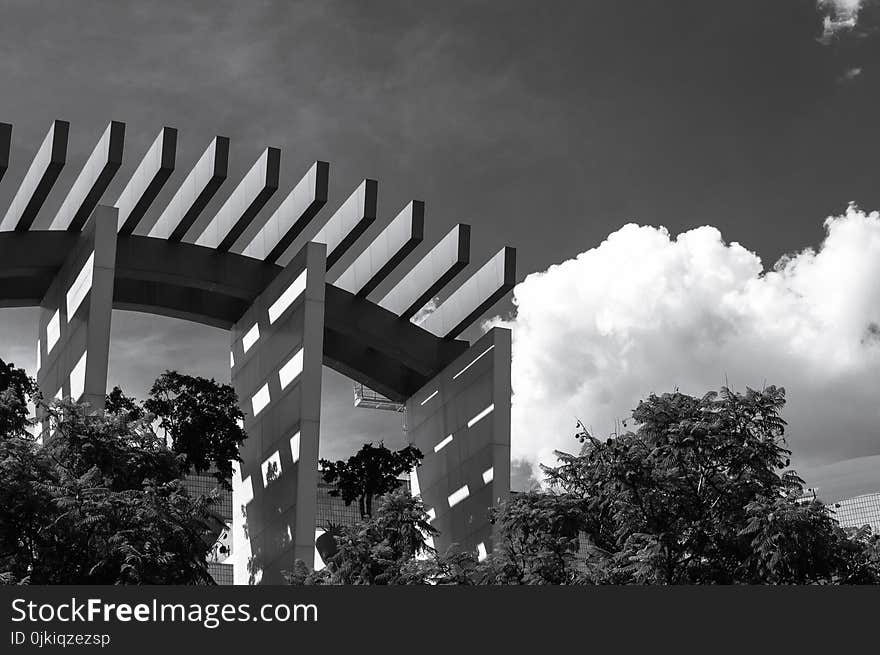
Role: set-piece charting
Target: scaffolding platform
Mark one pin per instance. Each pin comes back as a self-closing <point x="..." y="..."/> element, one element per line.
<point x="366" y="398"/>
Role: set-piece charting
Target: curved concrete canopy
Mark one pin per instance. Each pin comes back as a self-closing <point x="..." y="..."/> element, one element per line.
<point x="362" y="340"/>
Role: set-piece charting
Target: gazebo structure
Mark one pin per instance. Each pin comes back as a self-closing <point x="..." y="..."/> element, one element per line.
<point x="289" y="308"/>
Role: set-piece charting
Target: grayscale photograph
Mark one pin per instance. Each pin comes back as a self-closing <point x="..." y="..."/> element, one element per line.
<point x="298" y="295"/>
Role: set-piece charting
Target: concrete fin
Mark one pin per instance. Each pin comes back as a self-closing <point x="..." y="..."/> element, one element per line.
<point x="244" y="203"/>
<point x="386" y="252"/>
<point x="430" y="274"/>
<point x="92" y="181"/>
<point x="194" y="193"/>
<point x="39" y="179"/>
<point x="474" y="297"/>
<point x="147" y="180"/>
<point x="293" y="215"/>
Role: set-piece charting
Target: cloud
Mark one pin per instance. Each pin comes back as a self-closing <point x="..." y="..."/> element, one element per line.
<point x="841" y="16"/>
<point x="850" y="75"/>
<point x="645" y="312"/>
<point x="429" y="308"/>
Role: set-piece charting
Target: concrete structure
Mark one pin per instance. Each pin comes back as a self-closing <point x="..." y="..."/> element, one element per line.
<point x="147" y="181"/>
<point x="264" y="280"/>
<point x="39" y="179"/>
<point x="276" y="371"/>
<point x="460" y="421"/>
<point x="194" y="193"/>
<point x="73" y="342"/>
<point x="5" y="147"/>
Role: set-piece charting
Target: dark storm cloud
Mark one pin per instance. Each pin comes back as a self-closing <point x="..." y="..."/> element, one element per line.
<point x="545" y="125"/>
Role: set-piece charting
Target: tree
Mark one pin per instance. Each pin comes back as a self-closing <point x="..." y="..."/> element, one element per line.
<point x="16" y="389"/>
<point x="200" y="418"/>
<point x="539" y="539"/>
<point x="118" y="404"/>
<point x="371" y="472"/>
<point x="698" y="494"/>
<point x="101" y="502"/>
<point x="380" y="550"/>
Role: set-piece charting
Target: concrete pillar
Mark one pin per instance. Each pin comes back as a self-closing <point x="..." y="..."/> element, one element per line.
<point x="460" y="421"/>
<point x="74" y="324"/>
<point x="276" y="358"/>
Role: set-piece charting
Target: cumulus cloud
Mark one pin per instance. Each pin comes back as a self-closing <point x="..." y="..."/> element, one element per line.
<point x="841" y="16"/>
<point x="645" y="312"/>
<point x="850" y="75"/>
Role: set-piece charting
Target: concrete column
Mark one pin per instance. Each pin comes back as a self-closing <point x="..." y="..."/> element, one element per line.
<point x="276" y="358"/>
<point x="460" y="421"/>
<point x="75" y="313"/>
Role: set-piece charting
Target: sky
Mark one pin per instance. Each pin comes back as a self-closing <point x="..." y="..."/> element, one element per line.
<point x="651" y="162"/>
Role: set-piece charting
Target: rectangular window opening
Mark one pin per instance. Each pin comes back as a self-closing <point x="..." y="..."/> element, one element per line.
<point x="78" y="378"/>
<point x="251" y="337"/>
<point x="473" y="362"/>
<point x="271" y="469"/>
<point x="440" y="446"/>
<point x="80" y="287"/>
<point x="458" y="495"/>
<point x="287" y="298"/>
<point x="53" y="331"/>
<point x="294" y="447"/>
<point x="260" y="399"/>
<point x="291" y="370"/>
<point x="479" y="417"/>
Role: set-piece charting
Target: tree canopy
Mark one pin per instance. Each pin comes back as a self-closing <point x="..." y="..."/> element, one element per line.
<point x="699" y="492"/>
<point x="202" y="420"/>
<point x="101" y="502"/>
<point x="371" y="472"/>
<point x="380" y="550"/>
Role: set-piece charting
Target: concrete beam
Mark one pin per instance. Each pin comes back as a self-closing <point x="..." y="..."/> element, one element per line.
<point x="74" y="324"/>
<point x="39" y="179"/>
<point x="244" y="203"/>
<point x="386" y="252"/>
<point x="373" y="346"/>
<point x="5" y="146"/>
<point x="181" y="280"/>
<point x="352" y="218"/>
<point x="292" y="216"/>
<point x="474" y="297"/>
<point x="93" y="179"/>
<point x="433" y="272"/>
<point x="147" y="180"/>
<point x="194" y="193"/>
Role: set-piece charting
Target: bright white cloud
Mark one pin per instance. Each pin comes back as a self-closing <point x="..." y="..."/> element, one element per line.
<point x="429" y="308"/>
<point x="644" y="312"/>
<point x="841" y="16"/>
